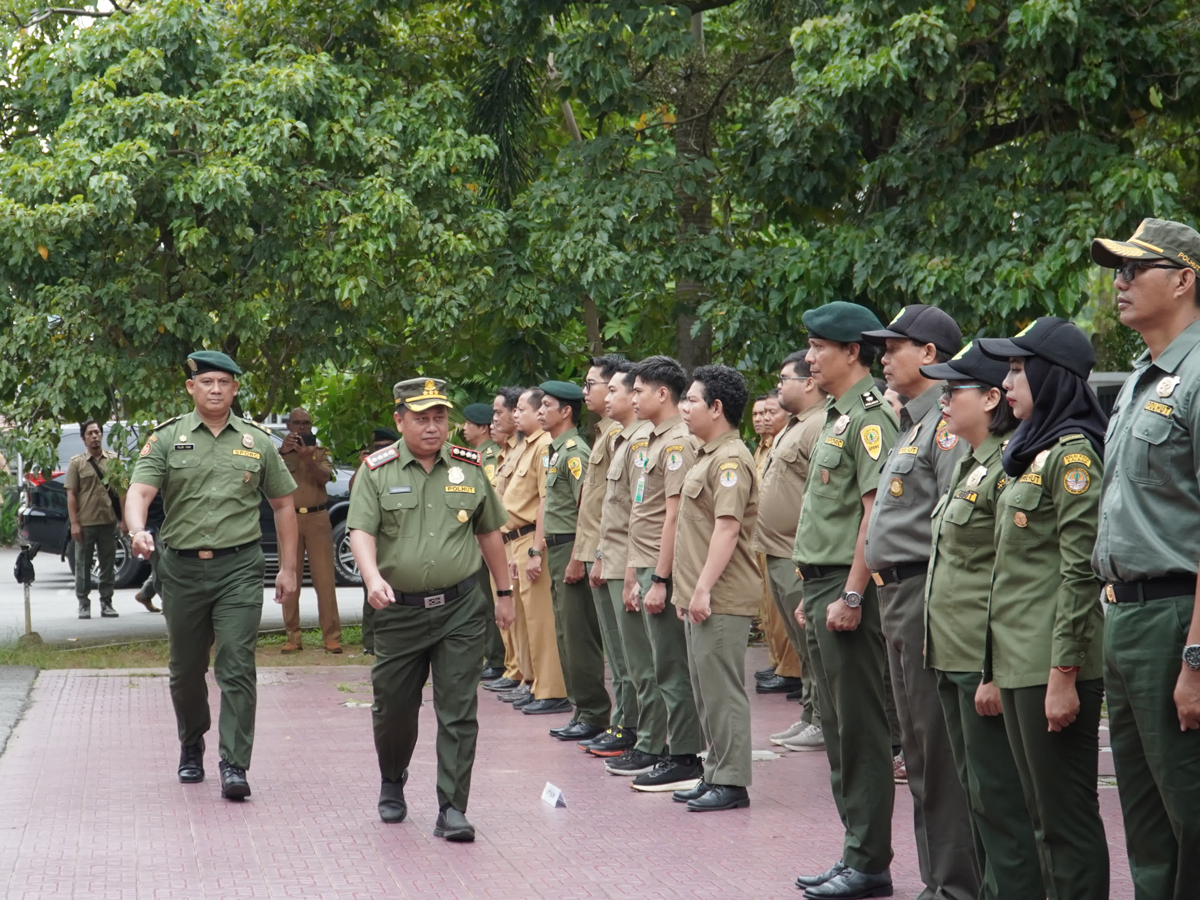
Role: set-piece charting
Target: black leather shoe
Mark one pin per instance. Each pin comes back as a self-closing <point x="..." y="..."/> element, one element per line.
<point x="491" y="673"/>
<point x="523" y="701"/>
<point x="806" y="881"/>
<point x="797" y="694"/>
<point x="191" y="762"/>
<point x="850" y="884"/>
<point x="555" y="732"/>
<point x="721" y="796"/>
<point x="580" y="731"/>
<point x="702" y="787"/>
<point x="234" y="785"/>
<point x="500" y="685"/>
<point x="778" y="685"/>
<point x="453" y="826"/>
<point x="520" y="692"/>
<point x="547" y="707"/>
<point x="392" y="806"/>
<point x="764" y="673"/>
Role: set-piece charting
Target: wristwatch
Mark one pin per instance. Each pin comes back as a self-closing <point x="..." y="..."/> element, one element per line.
<point x="533" y="552"/>
<point x="852" y="599"/>
<point x="657" y="579"/>
<point x="507" y="593"/>
<point x="1191" y="656"/>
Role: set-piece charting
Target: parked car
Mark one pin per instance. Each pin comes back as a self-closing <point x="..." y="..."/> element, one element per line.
<point x="42" y="517"/>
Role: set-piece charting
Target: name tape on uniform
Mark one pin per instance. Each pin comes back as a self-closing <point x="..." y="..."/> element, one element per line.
<point x="459" y="489"/>
<point x="250" y="453"/>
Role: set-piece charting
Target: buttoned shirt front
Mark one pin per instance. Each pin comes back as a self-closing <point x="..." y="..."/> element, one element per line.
<point x="310" y="490"/>
<point x="591" y="502"/>
<point x="563" y="483"/>
<point x="92" y="503"/>
<point x="670" y="452"/>
<point x="522" y="470"/>
<point x="784" y="474"/>
<point x="618" y="497"/>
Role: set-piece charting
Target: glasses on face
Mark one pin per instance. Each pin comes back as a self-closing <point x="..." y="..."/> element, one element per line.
<point x="588" y="385"/>
<point x="948" y="390"/>
<point x="783" y="378"/>
<point x="1129" y="271"/>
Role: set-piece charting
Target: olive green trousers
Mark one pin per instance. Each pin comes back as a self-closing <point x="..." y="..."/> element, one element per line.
<point x="625" y="705"/>
<point x="669" y="647"/>
<point x="100" y="541"/>
<point x="493" y="647"/>
<point x="580" y="647"/>
<point x="207" y="601"/>
<point x="787" y="590"/>
<point x="717" y="658"/>
<point x="651" y="725"/>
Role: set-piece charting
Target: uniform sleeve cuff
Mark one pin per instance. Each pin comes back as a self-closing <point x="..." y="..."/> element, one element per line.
<point x="1069" y="654"/>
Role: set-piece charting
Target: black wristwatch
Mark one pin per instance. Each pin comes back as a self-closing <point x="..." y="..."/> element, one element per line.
<point x="500" y="593"/>
<point x="1191" y="656"/>
<point x="654" y="576"/>
<point x="852" y="599"/>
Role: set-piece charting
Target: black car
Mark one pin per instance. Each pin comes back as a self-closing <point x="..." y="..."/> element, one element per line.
<point x="42" y="519"/>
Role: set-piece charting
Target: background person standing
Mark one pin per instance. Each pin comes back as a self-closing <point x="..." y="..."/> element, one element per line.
<point x="95" y="510"/>
<point x="477" y="433"/>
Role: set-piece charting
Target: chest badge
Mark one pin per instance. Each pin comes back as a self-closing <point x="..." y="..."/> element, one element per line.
<point x="1020" y="519"/>
<point x="977" y="476"/>
<point x="248" y="441"/>
<point x="245" y="478"/>
<point x="840" y="426"/>
<point x="455" y="475"/>
<point x="1039" y="461"/>
<point x="1166" y="387"/>
<point x="182" y="439"/>
<point x="824" y="476"/>
<point x="463" y="516"/>
<point x="897" y="487"/>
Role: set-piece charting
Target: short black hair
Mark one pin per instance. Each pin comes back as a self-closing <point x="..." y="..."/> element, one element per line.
<point x="662" y="371"/>
<point x="84" y="427"/>
<point x="510" y="395"/>
<point x="724" y="384"/>
<point x="867" y="352"/>
<point x="576" y="406"/>
<point x="941" y="356"/>
<point x="608" y="364"/>
<point x="535" y="396"/>
<point x="1003" y="419"/>
<point x="773" y="394"/>
<point x="761" y="397"/>
<point x="797" y="361"/>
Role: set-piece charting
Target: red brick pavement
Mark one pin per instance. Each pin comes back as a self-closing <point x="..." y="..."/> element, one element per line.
<point x="90" y="808"/>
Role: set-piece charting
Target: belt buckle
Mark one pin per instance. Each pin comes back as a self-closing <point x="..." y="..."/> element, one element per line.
<point x="877" y="578"/>
<point x="302" y="509"/>
<point x="204" y="554"/>
<point x="435" y="600"/>
<point x="1110" y="594"/>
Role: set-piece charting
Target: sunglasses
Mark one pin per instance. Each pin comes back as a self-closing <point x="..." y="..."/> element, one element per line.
<point x="1129" y="271"/>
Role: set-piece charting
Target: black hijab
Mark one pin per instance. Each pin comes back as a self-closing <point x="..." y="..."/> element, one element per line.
<point x="1063" y="403"/>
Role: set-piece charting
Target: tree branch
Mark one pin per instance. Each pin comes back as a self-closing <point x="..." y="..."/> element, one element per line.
<point x="38" y="17"/>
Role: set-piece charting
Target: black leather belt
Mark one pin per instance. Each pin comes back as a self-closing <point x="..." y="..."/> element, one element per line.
<point x="212" y="554"/>
<point x="520" y="532"/>
<point x="892" y="574"/>
<point x="807" y="572"/>
<point x="435" y="599"/>
<point x="1151" y="589"/>
<point x="553" y="540"/>
<point x="311" y="509"/>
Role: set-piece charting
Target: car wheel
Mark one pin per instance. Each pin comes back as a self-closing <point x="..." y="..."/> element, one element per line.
<point x="344" y="568"/>
<point x="128" y="570"/>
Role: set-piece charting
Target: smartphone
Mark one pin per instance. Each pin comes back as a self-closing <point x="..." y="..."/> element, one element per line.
<point x="309" y="439"/>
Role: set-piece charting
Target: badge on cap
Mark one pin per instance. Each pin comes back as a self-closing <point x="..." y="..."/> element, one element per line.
<point x="247" y="441"/>
<point x="841" y="424"/>
<point x="1039" y="461"/>
<point x="191" y="364"/>
<point x="1166" y="387"/>
<point x="462" y="515"/>
<point x="976" y="476"/>
<point x="897" y="487"/>
<point x="1020" y="519"/>
<point x="455" y="475"/>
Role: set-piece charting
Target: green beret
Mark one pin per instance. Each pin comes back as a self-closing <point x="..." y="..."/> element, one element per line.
<point x="211" y="361"/>
<point x="419" y="394"/>
<point x="562" y="390"/>
<point x="840" y="321"/>
<point x="478" y="413"/>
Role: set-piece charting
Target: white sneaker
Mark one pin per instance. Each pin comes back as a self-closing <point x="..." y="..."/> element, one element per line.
<point x="810" y="738"/>
<point x="796" y="729"/>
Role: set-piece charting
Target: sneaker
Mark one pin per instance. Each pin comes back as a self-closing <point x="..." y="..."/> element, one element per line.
<point x="811" y="738"/>
<point x="85" y="610"/>
<point x="789" y="733"/>
<point x="631" y="762"/>
<point x="107" y="611"/>
<point x="614" y="744"/>
<point x="671" y="773"/>
<point x="899" y="770"/>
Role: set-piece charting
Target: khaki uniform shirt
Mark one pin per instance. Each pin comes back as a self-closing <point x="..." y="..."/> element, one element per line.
<point x="310" y="491"/>
<point x="962" y="557"/>
<point x="1150" y="504"/>
<point x="490" y="452"/>
<point x="761" y="451"/>
<point x="587" y="527"/>
<point x="210" y="484"/>
<point x="669" y="455"/>
<point x="915" y="475"/>
<point x="618" y="498"/>
<point x="1045" y="604"/>
<point x="784" y="475"/>
<point x="522" y="470"/>
<point x="859" y="430"/>
<point x="425" y="523"/>
<point x="91" y="497"/>
<point x="564" y="482"/>
<point x="723" y="482"/>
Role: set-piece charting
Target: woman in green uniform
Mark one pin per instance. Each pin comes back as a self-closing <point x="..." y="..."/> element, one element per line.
<point x="1045" y="633"/>
<point x="975" y="408"/>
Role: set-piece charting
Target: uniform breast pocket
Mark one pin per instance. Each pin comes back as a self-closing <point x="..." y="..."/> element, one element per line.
<point x="827" y="471"/>
<point x="1022" y="502"/>
<point x="897" y="491"/>
<point x="689" y="505"/>
<point x="959" y="512"/>
<point x="463" y="502"/>
<point x="1151" y="449"/>
<point x="183" y="466"/>
<point x="247" y="472"/>
<point x="398" y="514"/>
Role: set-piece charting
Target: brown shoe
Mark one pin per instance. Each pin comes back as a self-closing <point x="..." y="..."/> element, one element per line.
<point x="147" y="602"/>
<point x="333" y="648"/>
<point x="290" y="648"/>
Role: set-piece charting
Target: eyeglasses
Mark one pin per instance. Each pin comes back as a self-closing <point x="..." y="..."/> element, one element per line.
<point x="783" y="378"/>
<point x="948" y="390"/>
<point x="588" y="385"/>
<point x="1129" y="271"/>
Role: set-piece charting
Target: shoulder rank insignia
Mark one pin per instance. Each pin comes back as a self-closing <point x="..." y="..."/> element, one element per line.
<point x="378" y="458"/>
<point x="261" y="427"/>
<point x="570" y="443"/>
<point x="166" y="423"/>
<point x="869" y="400"/>
<point x="465" y="454"/>
<point x="1070" y="437"/>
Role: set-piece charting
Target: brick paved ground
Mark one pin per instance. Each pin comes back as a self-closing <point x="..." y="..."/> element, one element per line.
<point x="90" y="808"/>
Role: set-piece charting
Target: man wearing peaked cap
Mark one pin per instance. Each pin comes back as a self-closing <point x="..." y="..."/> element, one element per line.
<point x="912" y="480"/>
<point x="1051" y="338"/>
<point x="421" y="512"/>
<point x="210" y="467"/>
<point x="1146" y="553"/>
<point x="477" y="432"/>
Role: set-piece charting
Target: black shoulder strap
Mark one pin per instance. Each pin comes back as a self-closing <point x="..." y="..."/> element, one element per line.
<point x="112" y="497"/>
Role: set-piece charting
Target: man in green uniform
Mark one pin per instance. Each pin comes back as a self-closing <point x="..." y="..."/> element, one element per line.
<point x="381" y="438"/>
<point x="94" y="520"/>
<point x="841" y="609"/>
<point x="477" y="432"/>
<point x="1146" y="551"/>
<point x="419" y="517"/>
<point x="211" y="467"/>
<point x="915" y="475"/>
<point x="575" y="623"/>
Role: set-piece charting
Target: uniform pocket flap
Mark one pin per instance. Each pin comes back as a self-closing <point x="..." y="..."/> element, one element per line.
<point x="460" y="499"/>
<point x="1024" y="496"/>
<point x="902" y="463"/>
<point x="183" y="460"/>
<point x="829" y="457"/>
<point x="959" y="512"/>
<point x="247" y="463"/>
<point x="1152" y="427"/>
<point x="692" y="488"/>
<point x="393" y="502"/>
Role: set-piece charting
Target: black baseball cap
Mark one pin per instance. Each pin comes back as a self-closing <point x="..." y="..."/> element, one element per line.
<point x="921" y="323"/>
<point x="1053" y="339"/>
<point x="970" y="363"/>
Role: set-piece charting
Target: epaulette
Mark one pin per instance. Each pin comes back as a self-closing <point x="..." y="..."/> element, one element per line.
<point x="1071" y="437"/>
<point x="869" y="400"/>
<point x="466" y="454"/>
<point x="263" y="428"/>
<point x="170" y="421"/>
<point x="379" y="457"/>
<point x="570" y="443"/>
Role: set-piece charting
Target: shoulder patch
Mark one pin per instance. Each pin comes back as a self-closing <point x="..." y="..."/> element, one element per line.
<point x="872" y="439"/>
<point x="727" y="465"/>
<point x="869" y="400"/>
<point x="1082" y="458"/>
<point x="166" y="423"/>
<point x="945" y="439"/>
<point x="465" y="454"/>
<point x="1071" y="437"/>
<point x="379" y="457"/>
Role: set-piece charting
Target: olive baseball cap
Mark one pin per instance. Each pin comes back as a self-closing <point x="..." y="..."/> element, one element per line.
<point x="419" y="394"/>
<point x="970" y="363"/>
<point x="478" y="413"/>
<point x="840" y="321"/>
<point x="211" y="361"/>
<point x="1053" y="339"/>
<point x="923" y="324"/>
<point x="562" y="390"/>
<point x="1154" y="239"/>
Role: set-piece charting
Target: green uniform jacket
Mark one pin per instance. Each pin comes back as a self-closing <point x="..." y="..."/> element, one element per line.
<point x="210" y="484"/>
<point x="564" y="482"/>
<point x="425" y="523"/>
<point x="1045" y="604"/>
<point x="961" y="560"/>
<point x="489" y="452"/>
<point x="1150" y="507"/>
<point x="859" y="431"/>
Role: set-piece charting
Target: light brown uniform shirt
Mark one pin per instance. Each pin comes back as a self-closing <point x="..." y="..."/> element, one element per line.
<point x="723" y="482"/>
<point x="669" y="454"/>
<point x="618" y="497"/>
<point x="591" y="502"/>
<point x="522" y="469"/>
<point x="760" y="452"/>
<point x="309" y="491"/>
<point x="91" y="497"/>
<point x="783" y="479"/>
